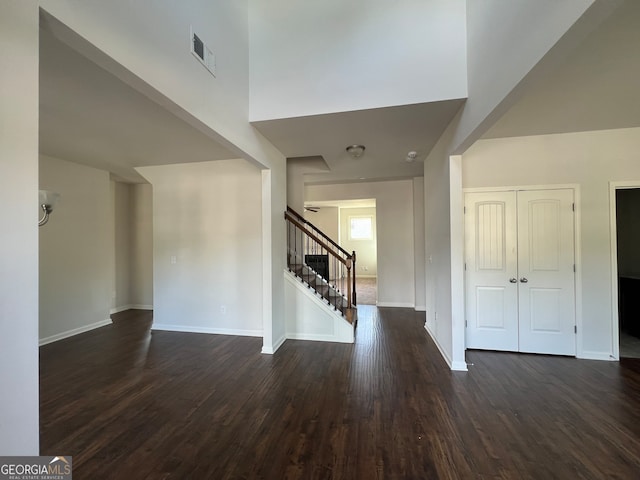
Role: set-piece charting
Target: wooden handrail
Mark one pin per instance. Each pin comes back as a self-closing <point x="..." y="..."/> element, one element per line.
<point x="320" y="239"/>
<point x="345" y="261"/>
<point x="327" y="238"/>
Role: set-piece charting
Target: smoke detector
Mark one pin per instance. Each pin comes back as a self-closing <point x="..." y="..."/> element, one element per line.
<point x="355" y="151"/>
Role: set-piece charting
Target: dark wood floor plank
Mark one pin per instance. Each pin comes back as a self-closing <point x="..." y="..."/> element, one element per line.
<point x="130" y="403"/>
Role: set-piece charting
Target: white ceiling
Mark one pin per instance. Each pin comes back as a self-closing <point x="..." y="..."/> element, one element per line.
<point x="89" y="116"/>
<point x="387" y="133"/>
<point x="597" y="88"/>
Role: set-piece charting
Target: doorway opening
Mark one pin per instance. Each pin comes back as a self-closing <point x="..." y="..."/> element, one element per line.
<point x="626" y="259"/>
<point x="352" y="223"/>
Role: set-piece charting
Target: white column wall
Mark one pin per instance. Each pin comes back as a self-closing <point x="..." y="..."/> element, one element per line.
<point x="418" y="242"/>
<point x="142" y="247"/>
<point x="19" y="415"/>
<point x="207" y="241"/>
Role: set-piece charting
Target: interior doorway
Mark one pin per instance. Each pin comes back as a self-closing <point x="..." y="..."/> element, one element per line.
<point x="352" y="224"/>
<point x="627" y="261"/>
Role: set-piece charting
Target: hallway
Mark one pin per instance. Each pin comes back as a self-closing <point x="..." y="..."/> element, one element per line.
<point x="130" y="403"/>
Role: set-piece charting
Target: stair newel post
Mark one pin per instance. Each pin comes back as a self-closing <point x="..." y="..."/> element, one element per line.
<point x="353" y="255"/>
<point x="349" y="264"/>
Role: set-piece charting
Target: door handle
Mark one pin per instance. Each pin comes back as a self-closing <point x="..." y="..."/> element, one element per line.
<point x="524" y="280"/>
<point x="513" y="280"/>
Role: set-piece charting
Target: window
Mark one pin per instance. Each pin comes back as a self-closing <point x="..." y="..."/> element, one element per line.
<point x="360" y="228"/>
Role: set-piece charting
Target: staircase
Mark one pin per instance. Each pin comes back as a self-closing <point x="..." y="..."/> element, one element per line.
<point x="322" y="265"/>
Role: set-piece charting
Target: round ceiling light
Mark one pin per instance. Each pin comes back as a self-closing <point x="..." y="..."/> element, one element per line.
<point x="355" y="151"/>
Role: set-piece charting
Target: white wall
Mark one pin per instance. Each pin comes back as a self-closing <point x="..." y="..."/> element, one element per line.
<point x="207" y="219"/>
<point x="76" y="250"/>
<point x="123" y="237"/>
<point x="504" y="56"/>
<point x="19" y="425"/>
<point x="319" y="57"/>
<point x="590" y="159"/>
<point x="133" y="246"/>
<point x="141" y="293"/>
<point x="418" y="242"/>
<point x="394" y="215"/>
<point x="443" y="249"/>
<point x="366" y="250"/>
<point x="274" y="251"/>
<point x="146" y="44"/>
<point x="439" y="322"/>
<point x="295" y="188"/>
<point x="502" y="50"/>
<point x="326" y="219"/>
<point x="151" y="41"/>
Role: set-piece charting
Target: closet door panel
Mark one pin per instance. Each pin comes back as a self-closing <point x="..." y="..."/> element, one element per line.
<point x="546" y="283"/>
<point x="490" y="256"/>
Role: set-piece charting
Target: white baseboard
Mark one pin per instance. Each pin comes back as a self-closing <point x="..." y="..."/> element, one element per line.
<point x="420" y="308"/>
<point x="119" y="309"/>
<point x="597" y="356"/>
<point x="215" y="331"/>
<point x="141" y="307"/>
<point x="72" y="332"/>
<point x="130" y="307"/>
<point x="457" y="366"/>
<point x="271" y="350"/>
<point x="395" y="304"/>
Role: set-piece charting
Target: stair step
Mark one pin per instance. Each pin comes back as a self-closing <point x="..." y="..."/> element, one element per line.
<point x="333" y="298"/>
<point x="351" y="315"/>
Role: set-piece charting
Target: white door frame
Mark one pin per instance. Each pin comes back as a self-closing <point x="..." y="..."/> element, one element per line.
<point x="615" y="320"/>
<point x="577" y="238"/>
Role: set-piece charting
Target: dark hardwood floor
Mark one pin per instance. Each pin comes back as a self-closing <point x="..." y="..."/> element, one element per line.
<point x="131" y="404"/>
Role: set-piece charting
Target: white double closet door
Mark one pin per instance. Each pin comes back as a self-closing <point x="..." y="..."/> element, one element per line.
<point x="520" y="271"/>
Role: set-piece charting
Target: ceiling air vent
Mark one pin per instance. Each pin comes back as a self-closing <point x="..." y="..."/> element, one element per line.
<point x="200" y="50"/>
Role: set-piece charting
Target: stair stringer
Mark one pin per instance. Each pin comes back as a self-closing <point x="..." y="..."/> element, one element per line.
<point x="309" y="317"/>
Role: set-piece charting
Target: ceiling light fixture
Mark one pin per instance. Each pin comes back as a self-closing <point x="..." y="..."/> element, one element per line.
<point x="411" y="157"/>
<point x="355" y="151"/>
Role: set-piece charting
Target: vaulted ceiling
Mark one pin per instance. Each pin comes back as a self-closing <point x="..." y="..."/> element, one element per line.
<point x="595" y="89"/>
<point x="91" y="117"/>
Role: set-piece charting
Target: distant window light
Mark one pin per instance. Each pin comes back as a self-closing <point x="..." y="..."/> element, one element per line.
<point x="360" y="228"/>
